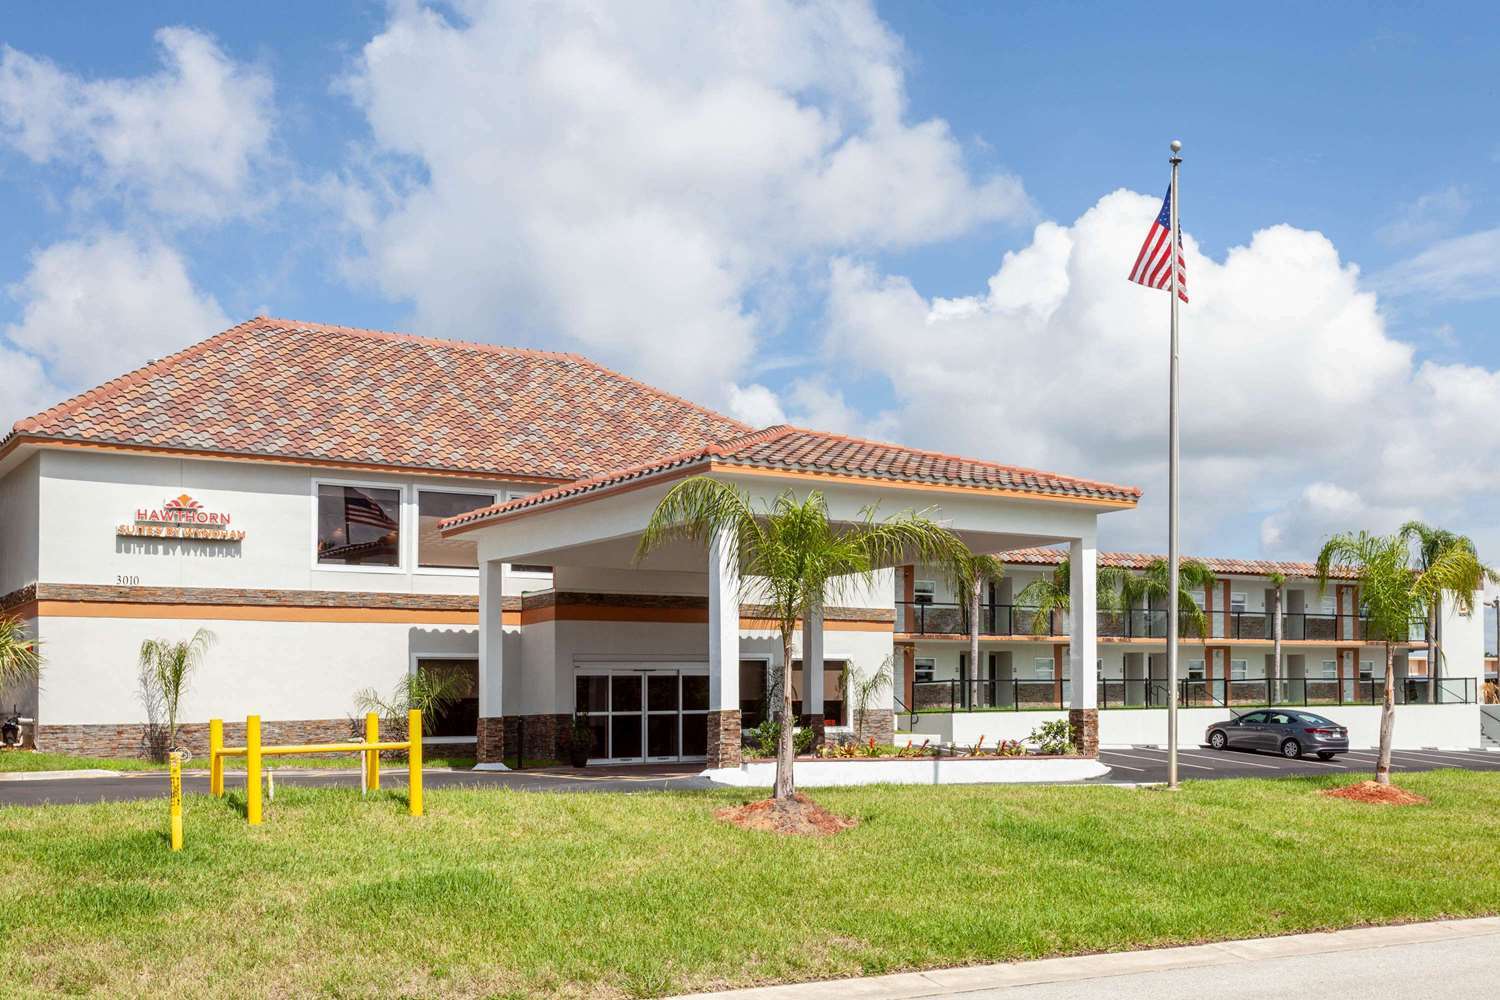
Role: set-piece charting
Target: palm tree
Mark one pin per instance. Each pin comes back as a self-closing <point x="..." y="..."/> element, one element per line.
<point x="1053" y="595"/>
<point x="1278" y="581"/>
<point x="1395" y="593"/>
<point x="1430" y="544"/>
<point x="20" y="657"/>
<point x="792" y="557"/>
<point x="969" y="573"/>
<point x="166" y="666"/>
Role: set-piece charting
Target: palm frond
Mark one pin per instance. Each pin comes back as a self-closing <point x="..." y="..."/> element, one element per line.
<point x="20" y="655"/>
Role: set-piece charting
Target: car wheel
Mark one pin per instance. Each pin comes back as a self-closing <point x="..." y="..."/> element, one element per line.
<point x="1325" y="755"/>
<point x="1291" y="748"/>
<point x="1218" y="740"/>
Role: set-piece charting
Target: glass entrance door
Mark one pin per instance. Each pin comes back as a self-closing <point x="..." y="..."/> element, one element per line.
<point x="648" y="713"/>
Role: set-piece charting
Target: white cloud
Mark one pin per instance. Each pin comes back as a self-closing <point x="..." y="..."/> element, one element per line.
<point x="1458" y="269"/>
<point x="1289" y="378"/>
<point x="643" y="183"/>
<point x="186" y="139"/>
<point x="1431" y="216"/>
<point x="95" y="308"/>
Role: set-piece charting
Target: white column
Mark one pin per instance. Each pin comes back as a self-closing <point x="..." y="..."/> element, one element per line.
<point x="723" y="624"/>
<point x="1083" y="559"/>
<point x="491" y="639"/>
<point x="812" y="666"/>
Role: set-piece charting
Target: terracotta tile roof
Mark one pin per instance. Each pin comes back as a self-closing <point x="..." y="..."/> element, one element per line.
<point x="287" y="389"/>
<point x="1219" y="567"/>
<point x="795" y="449"/>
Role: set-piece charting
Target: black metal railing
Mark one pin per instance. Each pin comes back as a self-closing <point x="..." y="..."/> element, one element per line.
<point x="926" y="618"/>
<point x="1019" y="694"/>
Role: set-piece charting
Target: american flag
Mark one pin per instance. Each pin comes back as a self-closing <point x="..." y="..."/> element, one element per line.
<point x="361" y="509"/>
<point x="1151" y="264"/>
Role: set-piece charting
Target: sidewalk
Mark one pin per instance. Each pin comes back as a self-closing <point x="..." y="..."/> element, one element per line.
<point x="1449" y="959"/>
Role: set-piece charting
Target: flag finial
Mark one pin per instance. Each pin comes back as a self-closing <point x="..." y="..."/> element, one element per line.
<point x="1176" y="145"/>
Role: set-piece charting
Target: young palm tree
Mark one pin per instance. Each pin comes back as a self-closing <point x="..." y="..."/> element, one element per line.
<point x="1278" y="581"/>
<point x="969" y="573"/>
<point x="1395" y="593"/>
<point x="1053" y="595"/>
<point x="793" y="558"/>
<point x="1430" y="544"/>
<point x="20" y="656"/>
<point x="167" y="666"/>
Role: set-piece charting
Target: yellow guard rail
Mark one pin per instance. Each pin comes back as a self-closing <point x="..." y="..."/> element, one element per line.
<point x="253" y="751"/>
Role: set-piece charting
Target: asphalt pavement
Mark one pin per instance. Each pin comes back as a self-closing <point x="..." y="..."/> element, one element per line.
<point x="1148" y="764"/>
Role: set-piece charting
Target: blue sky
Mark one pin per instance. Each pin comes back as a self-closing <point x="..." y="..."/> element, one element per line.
<point x="805" y="214"/>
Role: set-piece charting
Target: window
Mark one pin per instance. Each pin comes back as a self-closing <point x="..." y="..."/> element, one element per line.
<point x="1281" y="719"/>
<point x="923" y="591"/>
<point x="1330" y="670"/>
<point x="1254" y="718"/>
<point x="529" y="569"/>
<point x="923" y="668"/>
<point x="1238" y="670"/>
<point x="1195" y="670"/>
<point x="1237" y="603"/>
<point x="459" y="717"/>
<point x="1366" y="669"/>
<point x="359" y="525"/>
<point x="1043" y="668"/>
<point x="433" y="550"/>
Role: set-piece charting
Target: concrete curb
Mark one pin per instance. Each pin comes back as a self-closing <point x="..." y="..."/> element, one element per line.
<point x="941" y="982"/>
<point x="54" y="775"/>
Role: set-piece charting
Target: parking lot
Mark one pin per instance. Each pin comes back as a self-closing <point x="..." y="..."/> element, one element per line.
<point x="1197" y="762"/>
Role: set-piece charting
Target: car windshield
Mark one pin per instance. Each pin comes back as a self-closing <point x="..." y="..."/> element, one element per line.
<point x="1315" y="720"/>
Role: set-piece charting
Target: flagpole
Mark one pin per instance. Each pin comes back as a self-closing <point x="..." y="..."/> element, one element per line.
<point x="1172" y="493"/>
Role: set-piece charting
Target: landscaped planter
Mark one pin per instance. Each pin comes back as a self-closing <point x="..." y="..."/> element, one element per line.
<point x="813" y="772"/>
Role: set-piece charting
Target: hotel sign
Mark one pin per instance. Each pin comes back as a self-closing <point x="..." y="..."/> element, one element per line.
<point x="181" y="517"/>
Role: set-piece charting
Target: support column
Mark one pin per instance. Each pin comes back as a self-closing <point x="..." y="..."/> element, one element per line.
<point x="812" y="670"/>
<point x="490" y="738"/>
<point x="1083" y="706"/>
<point x="723" y="651"/>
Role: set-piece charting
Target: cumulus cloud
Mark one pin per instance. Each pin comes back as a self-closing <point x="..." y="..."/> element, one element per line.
<point x="186" y="140"/>
<point x="642" y="182"/>
<point x="94" y="308"/>
<point x="1289" y="378"/>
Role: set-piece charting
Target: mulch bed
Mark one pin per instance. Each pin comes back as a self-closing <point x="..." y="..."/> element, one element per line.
<point x="798" y="816"/>
<point x="1373" y="791"/>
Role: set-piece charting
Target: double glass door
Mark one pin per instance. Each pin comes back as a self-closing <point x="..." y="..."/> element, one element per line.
<point x="646" y="713"/>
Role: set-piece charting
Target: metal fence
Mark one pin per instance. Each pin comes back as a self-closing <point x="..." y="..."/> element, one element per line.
<point x="1018" y="695"/>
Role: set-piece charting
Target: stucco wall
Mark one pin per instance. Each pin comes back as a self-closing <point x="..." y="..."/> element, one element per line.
<point x="19" y="500"/>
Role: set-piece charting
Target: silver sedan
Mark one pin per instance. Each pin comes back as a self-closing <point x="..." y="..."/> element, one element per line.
<point x="1289" y="732"/>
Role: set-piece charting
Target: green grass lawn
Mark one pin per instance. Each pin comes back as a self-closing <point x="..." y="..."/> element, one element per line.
<point x="602" y="895"/>
<point x="12" y="761"/>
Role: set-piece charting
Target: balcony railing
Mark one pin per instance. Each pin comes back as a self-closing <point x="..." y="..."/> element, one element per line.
<point x="1020" y="695"/>
<point x="919" y="618"/>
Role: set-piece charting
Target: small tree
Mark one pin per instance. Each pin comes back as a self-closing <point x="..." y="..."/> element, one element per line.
<point x="20" y="655"/>
<point x="1430" y="544"/>
<point x="790" y="554"/>
<point x="861" y="692"/>
<point x="1394" y="594"/>
<point x="969" y="573"/>
<point x="165" y="670"/>
<point x="1053" y="595"/>
<point x="427" y="691"/>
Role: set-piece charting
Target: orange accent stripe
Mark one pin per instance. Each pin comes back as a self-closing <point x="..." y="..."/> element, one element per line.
<point x="260" y="613"/>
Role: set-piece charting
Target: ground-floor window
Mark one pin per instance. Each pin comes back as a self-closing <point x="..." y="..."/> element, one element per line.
<point x="1239" y="669"/>
<point x="754" y="694"/>
<point x="1043" y="668"/>
<point x="645" y="714"/>
<point x="458" y="718"/>
<point x="923" y="669"/>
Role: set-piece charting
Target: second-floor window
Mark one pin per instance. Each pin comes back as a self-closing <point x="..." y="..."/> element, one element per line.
<point x="1237" y="603"/>
<point x="433" y="550"/>
<point x="359" y="525"/>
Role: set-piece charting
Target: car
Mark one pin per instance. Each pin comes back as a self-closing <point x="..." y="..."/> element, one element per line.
<point x="1289" y="732"/>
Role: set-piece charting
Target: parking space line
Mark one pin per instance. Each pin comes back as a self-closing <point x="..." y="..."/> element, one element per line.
<point x="1321" y="763"/>
<point x="1155" y="760"/>
<point x="1434" y="755"/>
<point x="1124" y="767"/>
<point x="1228" y="761"/>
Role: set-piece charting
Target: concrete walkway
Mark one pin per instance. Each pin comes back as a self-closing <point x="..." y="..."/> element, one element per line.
<point x="1452" y="960"/>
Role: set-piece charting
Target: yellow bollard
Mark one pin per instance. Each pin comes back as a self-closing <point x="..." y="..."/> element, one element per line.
<point x="372" y="757"/>
<point x="215" y="761"/>
<point x="414" y="761"/>
<point x="252" y="770"/>
<point x="176" y="809"/>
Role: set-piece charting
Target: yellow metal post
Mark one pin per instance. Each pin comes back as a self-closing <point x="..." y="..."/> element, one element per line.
<point x="176" y="811"/>
<point x="215" y="760"/>
<point x="414" y="761"/>
<point x="372" y="757"/>
<point x="252" y="770"/>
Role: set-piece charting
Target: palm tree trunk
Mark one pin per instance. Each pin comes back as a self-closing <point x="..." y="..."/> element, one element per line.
<point x="1435" y="645"/>
<point x="1276" y="654"/>
<point x="785" y="787"/>
<point x="973" y="636"/>
<point x="1387" y="718"/>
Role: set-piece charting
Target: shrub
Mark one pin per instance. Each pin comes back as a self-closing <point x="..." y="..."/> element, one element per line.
<point x="762" y="740"/>
<point x="1055" y="737"/>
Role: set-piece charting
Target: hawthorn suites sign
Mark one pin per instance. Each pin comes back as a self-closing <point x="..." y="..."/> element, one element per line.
<point x="181" y="517"/>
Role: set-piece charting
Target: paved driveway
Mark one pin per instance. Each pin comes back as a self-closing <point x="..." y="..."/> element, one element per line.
<point x="1195" y="762"/>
